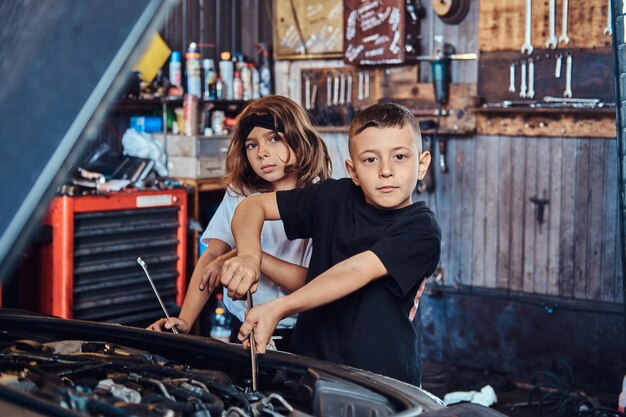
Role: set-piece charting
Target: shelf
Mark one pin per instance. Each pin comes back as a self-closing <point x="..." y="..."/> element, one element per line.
<point x="130" y="104"/>
<point x="545" y="110"/>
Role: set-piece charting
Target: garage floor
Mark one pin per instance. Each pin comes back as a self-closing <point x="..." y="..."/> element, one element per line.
<point x="550" y="395"/>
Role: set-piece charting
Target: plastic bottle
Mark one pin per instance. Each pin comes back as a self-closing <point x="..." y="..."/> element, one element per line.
<point x="256" y="79"/>
<point x="219" y="89"/>
<point x="227" y="69"/>
<point x="175" y="72"/>
<point x="220" y="321"/>
<point x="194" y="82"/>
<point x="237" y="87"/>
<point x="246" y="80"/>
<point x="210" y="77"/>
<point x="621" y="402"/>
<point x="265" y="86"/>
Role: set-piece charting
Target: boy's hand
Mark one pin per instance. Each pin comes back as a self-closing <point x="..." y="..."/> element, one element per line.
<point x="240" y="275"/>
<point x="211" y="273"/>
<point x="164" y="324"/>
<point x="263" y="319"/>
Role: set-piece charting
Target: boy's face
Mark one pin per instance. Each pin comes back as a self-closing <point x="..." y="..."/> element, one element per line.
<point x="386" y="164"/>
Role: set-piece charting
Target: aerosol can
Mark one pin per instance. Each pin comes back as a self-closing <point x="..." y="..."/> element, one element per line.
<point x="194" y="82"/>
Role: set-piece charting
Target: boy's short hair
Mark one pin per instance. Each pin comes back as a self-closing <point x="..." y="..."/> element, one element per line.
<point x="384" y="115"/>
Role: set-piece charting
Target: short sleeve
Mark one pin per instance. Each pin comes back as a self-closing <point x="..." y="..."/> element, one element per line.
<point x="219" y="226"/>
<point x="410" y="252"/>
<point x="297" y="210"/>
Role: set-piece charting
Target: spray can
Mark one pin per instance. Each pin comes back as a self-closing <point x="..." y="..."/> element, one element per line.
<point x="266" y="74"/>
<point x="237" y="87"/>
<point x="175" y="72"/>
<point x="256" y="79"/>
<point x="246" y="80"/>
<point x="226" y="74"/>
<point x="194" y="82"/>
<point x="210" y="77"/>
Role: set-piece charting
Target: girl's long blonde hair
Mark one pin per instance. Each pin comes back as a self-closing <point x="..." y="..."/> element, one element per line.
<point x="312" y="160"/>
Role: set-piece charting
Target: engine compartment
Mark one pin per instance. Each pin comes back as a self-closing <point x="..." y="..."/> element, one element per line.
<point x="94" y="378"/>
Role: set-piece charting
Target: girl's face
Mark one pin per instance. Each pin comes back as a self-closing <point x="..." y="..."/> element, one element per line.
<point x="269" y="155"/>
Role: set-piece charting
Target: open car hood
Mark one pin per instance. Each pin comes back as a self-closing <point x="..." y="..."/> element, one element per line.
<point x="62" y="62"/>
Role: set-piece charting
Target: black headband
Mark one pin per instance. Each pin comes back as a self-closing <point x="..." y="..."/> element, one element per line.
<point x="261" y="120"/>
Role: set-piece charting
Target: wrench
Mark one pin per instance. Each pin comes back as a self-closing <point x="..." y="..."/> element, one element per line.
<point x="531" y="78"/>
<point x="349" y="92"/>
<point x="307" y="92"/>
<point x="568" y="76"/>
<point x="366" y="91"/>
<point x="608" y="30"/>
<point x="552" y="41"/>
<point x="557" y="68"/>
<point x="527" y="47"/>
<point x="512" y="78"/>
<point x="360" y="94"/>
<point x="522" y="87"/>
<point x="328" y="90"/>
<point x="342" y="89"/>
<point x="564" y="38"/>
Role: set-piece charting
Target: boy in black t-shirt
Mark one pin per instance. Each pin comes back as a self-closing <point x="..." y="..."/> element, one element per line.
<point x="372" y="248"/>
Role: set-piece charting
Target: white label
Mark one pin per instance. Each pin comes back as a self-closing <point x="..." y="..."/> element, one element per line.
<point x="154" y="200"/>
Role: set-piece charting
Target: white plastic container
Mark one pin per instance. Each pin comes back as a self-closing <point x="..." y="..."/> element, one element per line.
<point x="227" y="69"/>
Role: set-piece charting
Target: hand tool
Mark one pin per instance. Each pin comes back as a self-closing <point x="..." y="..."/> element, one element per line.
<point x="564" y="38"/>
<point x="253" y="357"/>
<point x="552" y="41"/>
<point x="527" y="47"/>
<point x="531" y="78"/>
<point x="512" y="78"/>
<point x="568" y="76"/>
<point x="557" y="68"/>
<point x="522" y="87"/>
<point x="156" y="292"/>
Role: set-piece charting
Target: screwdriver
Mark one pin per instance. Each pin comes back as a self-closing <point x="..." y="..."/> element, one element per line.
<point x="252" y="348"/>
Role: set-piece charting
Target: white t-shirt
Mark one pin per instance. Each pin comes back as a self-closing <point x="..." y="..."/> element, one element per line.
<point x="273" y="241"/>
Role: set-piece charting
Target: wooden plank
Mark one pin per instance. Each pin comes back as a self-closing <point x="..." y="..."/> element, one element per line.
<point x="504" y="213"/>
<point x="480" y="217"/>
<point x="467" y="210"/>
<point x="491" y="211"/>
<point x="542" y="172"/>
<point x="582" y="218"/>
<point x="501" y="24"/>
<point x="443" y="184"/>
<point x="568" y="216"/>
<point x="554" y="216"/>
<point x="592" y="75"/>
<point x="463" y="37"/>
<point x="518" y="205"/>
<point x="530" y="215"/>
<point x="597" y="190"/>
<point x="584" y="124"/>
<point x="610" y="257"/>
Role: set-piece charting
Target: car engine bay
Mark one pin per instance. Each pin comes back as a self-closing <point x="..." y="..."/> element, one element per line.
<point x="94" y="378"/>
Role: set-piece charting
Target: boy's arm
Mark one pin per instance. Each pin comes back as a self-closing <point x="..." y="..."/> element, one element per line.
<point x="241" y="273"/>
<point x="342" y="279"/>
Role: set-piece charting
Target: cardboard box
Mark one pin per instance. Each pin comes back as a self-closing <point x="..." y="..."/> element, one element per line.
<point x="195" y="157"/>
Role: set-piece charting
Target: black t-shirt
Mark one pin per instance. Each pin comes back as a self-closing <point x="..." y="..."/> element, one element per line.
<point x="370" y="328"/>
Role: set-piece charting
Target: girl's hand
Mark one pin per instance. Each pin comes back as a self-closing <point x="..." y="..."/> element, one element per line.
<point x="263" y="319"/>
<point x="240" y="275"/>
<point x="164" y="324"/>
<point x="211" y="273"/>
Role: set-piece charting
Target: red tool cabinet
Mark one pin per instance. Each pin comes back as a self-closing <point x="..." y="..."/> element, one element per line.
<point x="90" y="269"/>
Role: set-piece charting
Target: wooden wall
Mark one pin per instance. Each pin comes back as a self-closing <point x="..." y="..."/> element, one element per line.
<point x="491" y="235"/>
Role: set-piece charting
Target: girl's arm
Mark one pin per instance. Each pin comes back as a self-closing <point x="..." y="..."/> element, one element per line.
<point x="196" y="298"/>
<point x="285" y="274"/>
<point x="342" y="279"/>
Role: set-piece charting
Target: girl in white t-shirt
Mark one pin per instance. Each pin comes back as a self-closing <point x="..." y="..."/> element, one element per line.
<point x="274" y="147"/>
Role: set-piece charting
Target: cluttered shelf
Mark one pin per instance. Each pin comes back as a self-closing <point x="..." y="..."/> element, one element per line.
<point x="546" y="110"/>
<point x="140" y="104"/>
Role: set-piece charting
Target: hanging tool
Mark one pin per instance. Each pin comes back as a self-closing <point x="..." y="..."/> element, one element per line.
<point x="440" y="66"/>
<point x="451" y="12"/>
<point x="253" y="358"/>
<point x="145" y="269"/>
